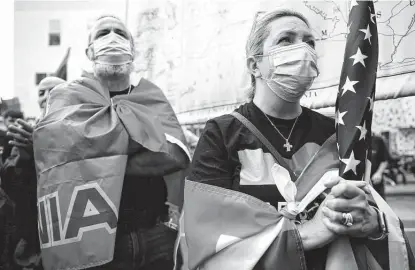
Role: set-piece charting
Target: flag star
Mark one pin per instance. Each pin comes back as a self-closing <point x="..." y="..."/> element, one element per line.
<point x="372" y="15"/>
<point x="359" y="57"/>
<point x="353" y="3"/>
<point x="339" y="118"/>
<point x="351" y="163"/>
<point x="348" y="86"/>
<point x="371" y="104"/>
<point x="368" y="35"/>
<point x="363" y="131"/>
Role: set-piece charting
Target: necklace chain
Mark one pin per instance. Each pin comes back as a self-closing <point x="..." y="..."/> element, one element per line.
<point x="286" y="139"/>
<point x="129" y="91"/>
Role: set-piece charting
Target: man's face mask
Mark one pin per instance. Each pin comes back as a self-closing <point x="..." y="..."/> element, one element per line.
<point x="293" y="69"/>
<point x="111" y="49"/>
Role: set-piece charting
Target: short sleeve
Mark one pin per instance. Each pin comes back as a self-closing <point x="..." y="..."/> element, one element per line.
<point x="211" y="164"/>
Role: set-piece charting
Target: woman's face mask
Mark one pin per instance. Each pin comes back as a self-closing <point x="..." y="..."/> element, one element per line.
<point x="111" y="49"/>
<point x="292" y="70"/>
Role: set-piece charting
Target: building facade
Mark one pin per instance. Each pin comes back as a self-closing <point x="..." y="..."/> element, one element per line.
<point x="44" y="30"/>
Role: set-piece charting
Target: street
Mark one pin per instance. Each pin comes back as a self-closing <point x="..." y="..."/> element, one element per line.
<point x="404" y="207"/>
<point x="401" y="198"/>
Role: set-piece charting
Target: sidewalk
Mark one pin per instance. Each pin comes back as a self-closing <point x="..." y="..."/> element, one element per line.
<point x="400" y="189"/>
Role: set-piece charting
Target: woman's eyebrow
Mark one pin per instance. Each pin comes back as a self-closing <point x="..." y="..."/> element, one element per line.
<point x="293" y="33"/>
<point x="284" y="33"/>
<point x="309" y="36"/>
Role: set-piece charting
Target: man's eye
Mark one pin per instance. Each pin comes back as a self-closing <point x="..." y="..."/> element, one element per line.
<point x="102" y="33"/>
<point x="121" y="33"/>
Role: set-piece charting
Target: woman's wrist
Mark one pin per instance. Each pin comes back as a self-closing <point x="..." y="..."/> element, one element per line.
<point x="305" y="237"/>
<point x="373" y="223"/>
<point x="381" y="229"/>
<point x="310" y="237"/>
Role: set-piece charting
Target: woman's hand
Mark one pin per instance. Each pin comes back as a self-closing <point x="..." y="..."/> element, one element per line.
<point x="349" y="197"/>
<point x="314" y="234"/>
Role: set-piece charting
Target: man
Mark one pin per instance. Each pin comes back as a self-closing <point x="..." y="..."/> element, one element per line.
<point x="101" y="117"/>
<point x="19" y="181"/>
<point x="380" y="157"/>
<point x="21" y="131"/>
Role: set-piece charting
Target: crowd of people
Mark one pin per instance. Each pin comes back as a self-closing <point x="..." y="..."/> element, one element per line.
<point x="116" y="144"/>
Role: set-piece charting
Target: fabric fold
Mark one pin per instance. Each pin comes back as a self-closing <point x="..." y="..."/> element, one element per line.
<point x="213" y="214"/>
<point x="81" y="149"/>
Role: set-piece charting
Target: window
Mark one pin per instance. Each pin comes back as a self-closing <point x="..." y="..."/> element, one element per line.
<point x="39" y="77"/>
<point x="54" y="32"/>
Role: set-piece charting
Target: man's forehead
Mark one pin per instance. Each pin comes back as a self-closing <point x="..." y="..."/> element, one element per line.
<point x="49" y="83"/>
<point x="108" y="23"/>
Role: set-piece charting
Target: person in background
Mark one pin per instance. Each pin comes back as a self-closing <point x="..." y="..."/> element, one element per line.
<point x="191" y="139"/>
<point x="380" y="158"/>
<point x="9" y="116"/>
<point x="19" y="181"/>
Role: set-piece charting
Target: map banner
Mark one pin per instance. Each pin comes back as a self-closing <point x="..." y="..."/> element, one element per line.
<point x="195" y="49"/>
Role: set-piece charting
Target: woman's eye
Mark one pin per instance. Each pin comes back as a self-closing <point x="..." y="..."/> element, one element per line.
<point x="312" y="43"/>
<point x="284" y="40"/>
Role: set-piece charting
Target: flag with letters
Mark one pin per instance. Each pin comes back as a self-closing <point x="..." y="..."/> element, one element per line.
<point x="81" y="149"/>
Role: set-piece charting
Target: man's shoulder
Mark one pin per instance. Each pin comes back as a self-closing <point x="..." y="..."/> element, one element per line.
<point x="146" y="84"/>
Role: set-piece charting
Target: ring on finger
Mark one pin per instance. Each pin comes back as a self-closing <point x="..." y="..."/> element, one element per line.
<point x="347" y="219"/>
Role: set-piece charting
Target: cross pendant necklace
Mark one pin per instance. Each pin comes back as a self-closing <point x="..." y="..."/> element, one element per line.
<point x="288" y="146"/>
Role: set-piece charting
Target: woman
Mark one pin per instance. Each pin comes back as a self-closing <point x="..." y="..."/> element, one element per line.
<point x="282" y="61"/>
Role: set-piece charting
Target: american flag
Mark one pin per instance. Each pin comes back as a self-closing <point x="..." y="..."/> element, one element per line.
<point x="354" y="104"/>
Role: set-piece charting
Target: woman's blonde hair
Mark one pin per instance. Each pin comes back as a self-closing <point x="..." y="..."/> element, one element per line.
<point x="259" y="33"/>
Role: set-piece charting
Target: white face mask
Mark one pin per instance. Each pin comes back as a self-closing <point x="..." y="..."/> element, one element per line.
<point x="111" y="49"/>
<point x="294" y="68"/>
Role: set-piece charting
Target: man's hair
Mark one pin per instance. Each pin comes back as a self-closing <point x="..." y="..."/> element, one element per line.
<point x="260" y="31"/>
<point x="13" y="114"/>
<point x="118" y="19"/>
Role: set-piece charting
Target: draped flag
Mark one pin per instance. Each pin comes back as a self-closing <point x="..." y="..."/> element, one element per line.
<point x="81" y="148"/>
<point x="226" y="229"/>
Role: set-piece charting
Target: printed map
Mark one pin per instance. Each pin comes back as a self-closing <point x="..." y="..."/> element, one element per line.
<point x="195" y="49"/>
